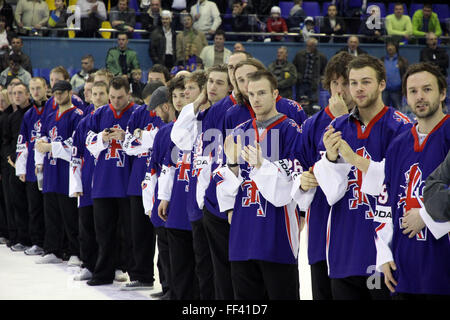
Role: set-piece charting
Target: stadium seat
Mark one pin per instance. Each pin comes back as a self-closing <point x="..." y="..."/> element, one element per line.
<point x="134" y="4"/>
<point x="286" y="7"/>
<point x="311" y="9"/>
<point x="380" y="5"/>
<point x="355" y="3"/>
<point x="44" y="73"/>
<point x="392" y="6"/>
<point x="442" y="10"/>
<point x="325" y="8"/>
<point x="414" y="7"/>
<point x="136" y="35"/>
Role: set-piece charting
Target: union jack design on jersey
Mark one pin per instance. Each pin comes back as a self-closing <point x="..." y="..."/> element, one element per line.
<point x="413" y="187"/>
<point x="36" y="132"/>
<point x="184" y="166"/>
<point x="400" y="117"/>
<point x="53" y="134"/>
<point x="115" y="151"/>
<point x="360" y="198"/>
<point x="149" y="127"/>
<point x="252" y="197"/>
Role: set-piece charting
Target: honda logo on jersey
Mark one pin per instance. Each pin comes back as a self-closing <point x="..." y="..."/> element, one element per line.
<point x="249" y="187"/>
<point x="115" y="151"/>
<point x="359" y="197"/>
<point x="413" y="187"/>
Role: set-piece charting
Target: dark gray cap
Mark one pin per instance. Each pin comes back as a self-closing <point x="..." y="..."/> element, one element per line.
<point x="62" y="85"/>
<point x="159" y="97"/>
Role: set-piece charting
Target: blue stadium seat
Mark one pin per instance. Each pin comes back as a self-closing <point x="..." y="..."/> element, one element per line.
<point x="311" y="9"/>
<point x="134" y="4"/>
<point x="45" y="73"/>
<point x="414" y="7"/>
<point x="442" y="10"/>
<point x="325" y="8"/>
<point x="136" y="35"/>
<point x="355" y="3"/>
<point x="285" y="7"/>
<point x="380" y="5"/>
<point x="36" y="72"/>
<point x="392" y="5"/>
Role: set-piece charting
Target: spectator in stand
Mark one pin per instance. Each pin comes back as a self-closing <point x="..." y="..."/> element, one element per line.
<point x="310" y="64"/>
<point x="136" y="84"/>
<point x="87" y="68"/>
<point x="189" y="42"/>
<point x="5" y="37"/>
<point x="93" y="12"/>
<point x="425" y="21"/>
<point x="217" y="53"/>
<point x="238" y="47"/>
<point x="372" y="28"/>
<point x="395" y="66"/>
<point x="285" y="72"/>
<point x="296" y="16"/>
<point x="353" y="47"/>
<point x="239" y="22"/>
<point x="434" y="54"/>
<point x="7" y="11"/>
<point x="16" y="48"/>
<point x="121" y="60"/>
<point x="31" y="16"/>
<point x="15" y="70"/>
<point x="332" y="25"/>
<point x="398" y="25"/>
<point x="308" y="28"/>
<point x="163" y="42"/>
<point x="58" y="19"/>
<point x="350" y="13"/>
<point x="122" y="17"/>
<point x="276" y="24"/>
<point x="151" y="18"/>
<point x="206" y="17"/>
<point x="159" y="73"/>
<point x="260" y="7"/>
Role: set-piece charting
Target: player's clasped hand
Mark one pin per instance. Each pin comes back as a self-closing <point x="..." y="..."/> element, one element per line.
<point x="308" y="180"/>
<point x="253" y="155"/>
<point x="331" y="140"/>
<point x="232" y="150"/>
<point x="412" y="222"/>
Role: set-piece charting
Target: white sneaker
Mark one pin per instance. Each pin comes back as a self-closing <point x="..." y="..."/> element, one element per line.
<point x="74" y="261"/>
<point x="120" y="276"/>
<point x="34" y="251"/>
<point x="84" y="274"/>
<point x="49" y="258"/>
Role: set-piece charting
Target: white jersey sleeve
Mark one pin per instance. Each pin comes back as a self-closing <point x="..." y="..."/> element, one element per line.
<point x="38" y="156"/>
<point x="62" y="150"/>
<point x="21" y="159"/>
<point x="373" y="179"/>
<point x="227" y="188"/>
<point x="165" y="183"/>
<point x="185" y="129"/>
<point x="438" y="229"/>
<point x="203" y="180"/>
<point x="302" y="198"/>
<point x="144" y="144"/>
<point x="148" y="192"/>
<point x="383" y="238"/>
<point x="332" y="178"/>
<point x="95" y="144"/>
<point x="274" y="181"/>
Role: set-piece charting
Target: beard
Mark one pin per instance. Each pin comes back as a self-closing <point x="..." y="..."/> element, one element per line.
<point x="433" y="107"/>
<point x="371" y="99"/>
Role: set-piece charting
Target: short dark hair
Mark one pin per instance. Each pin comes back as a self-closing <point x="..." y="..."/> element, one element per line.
<point x="264" y="74"/>
<point x="366" y="60"/>
<point x="336" y="67"/>
<point x="119" y="82"/>
<point x="219" y="68"/>
<point x="393" y="43"/>
<point x="428" y="5"/>
<point x="175" y="83"/>
<point x="220" y="32"/>
<point x="121" y="34"/>
<point x="159" y="68"/>
<point x="88" y="56"/>
<point x="421" y="67"/>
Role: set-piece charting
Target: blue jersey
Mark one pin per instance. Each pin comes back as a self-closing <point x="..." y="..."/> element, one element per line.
<point x="239" y="114"/>
<point x="30" y="130"/>
<point x="307" y="153"/>
<point x="80" y="152"/>
<point x="350" y="245"/>
<point x="52" y="106"/>
<point x="261" y="230"/>
<point x="113" y="167"/>
<point x="145" y="120"/>
<point x="160" y="149"/>
<point x="59" y="128"/>
<point x="423" y="263"/>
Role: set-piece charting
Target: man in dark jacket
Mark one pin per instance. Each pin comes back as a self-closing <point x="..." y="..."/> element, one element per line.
<point x="434" y="54"/>
<point x="310" y="64"/>
<point x="163" y="42"/>
<point x="353" y="47"/>
<point x="332" y="25"/>
<point x="285" y="72"/>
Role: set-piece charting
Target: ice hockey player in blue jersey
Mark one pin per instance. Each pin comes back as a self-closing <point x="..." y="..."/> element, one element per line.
<point x="53" y="155"/>
<point x="25" y="168"/>
<point x="352" y="157"/>
<point x="139" y="137"/>
<point x="413" y="251"/>
<point x="80" y="184"/>
<point x="110" y="181"/>
<point x="255" y="193"/>
<point x="311" y="199"/>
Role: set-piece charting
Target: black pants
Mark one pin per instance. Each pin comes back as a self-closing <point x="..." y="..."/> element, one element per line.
<point x="355" y="288"/>
<point x="113" y="236"/>
<point x="420" y="297"/>
<point x="217" y="231"/>
<point x="261" y="280"/>
<point x="182" y="265"/>
<point x="61" y="217"/>
<point x="88" y="244"/>
<point x="144" y="239"/>
<point x="35" y="214"/>
<point x="163" y="258"/>
<point x="8" y="222"/>
<point x="320" y="282"/>
<point x="20" y="205"/>
<point x="3" y="221"/>
<point x="203" y="262"/>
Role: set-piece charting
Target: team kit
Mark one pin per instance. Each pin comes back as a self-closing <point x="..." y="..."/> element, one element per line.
<point x="223" y="174"/>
